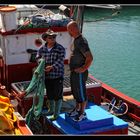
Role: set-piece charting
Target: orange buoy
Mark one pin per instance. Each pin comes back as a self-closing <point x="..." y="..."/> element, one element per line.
<point x="38" y="42"/>
<point x="8" y="9"/>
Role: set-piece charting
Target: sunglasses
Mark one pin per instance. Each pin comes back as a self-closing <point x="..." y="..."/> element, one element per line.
<point x="51" y="37"/>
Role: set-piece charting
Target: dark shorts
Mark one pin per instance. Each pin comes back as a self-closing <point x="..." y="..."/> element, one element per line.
<point x="54" y="88"/>
<point x="78" y="85"/>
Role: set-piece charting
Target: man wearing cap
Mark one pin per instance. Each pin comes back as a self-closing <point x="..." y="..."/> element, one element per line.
<point x="54" y="54"/>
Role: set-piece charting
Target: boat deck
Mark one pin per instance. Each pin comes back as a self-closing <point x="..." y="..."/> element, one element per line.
<point x="69" y="103"/>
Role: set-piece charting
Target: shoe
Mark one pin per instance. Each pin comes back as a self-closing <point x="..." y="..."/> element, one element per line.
<point x="80" y="117"/>
<point x="72" y="113"/>
<point x="53" y="118"/>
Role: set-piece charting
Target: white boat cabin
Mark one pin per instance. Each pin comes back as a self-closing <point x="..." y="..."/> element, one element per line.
<point x="17" y="36"/>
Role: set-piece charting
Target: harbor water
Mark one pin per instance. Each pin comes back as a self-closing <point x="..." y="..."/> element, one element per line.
<point x="114" y="39"/>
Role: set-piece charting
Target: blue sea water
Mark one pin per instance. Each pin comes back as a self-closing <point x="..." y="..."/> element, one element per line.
<point x="115" y="44"/>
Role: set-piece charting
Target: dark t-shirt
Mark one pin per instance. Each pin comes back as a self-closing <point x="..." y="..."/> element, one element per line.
<point x="77" y="58"/>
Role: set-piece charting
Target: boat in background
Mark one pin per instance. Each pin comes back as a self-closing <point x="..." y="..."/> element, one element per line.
<point x="18" y="33"/>
<point x="105" y="6"/>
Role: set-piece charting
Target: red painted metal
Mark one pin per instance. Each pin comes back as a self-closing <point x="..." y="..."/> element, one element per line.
<point x="33" y="30"/>
<point x="25" y="130"/>
<point x="134" y="116"/>
<point x="120" y="94"/>
<point x="1" y="69"/>
<point x="55" y="130"/>
<point x="94" y="94"/>
<point x="114" y="132"/>
<point x="20" y="72"/>
<point x="108" y="93"/>
<point x="25" y="104"/>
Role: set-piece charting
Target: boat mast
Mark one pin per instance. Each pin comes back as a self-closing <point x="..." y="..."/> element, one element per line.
<point x="80" y="17"/>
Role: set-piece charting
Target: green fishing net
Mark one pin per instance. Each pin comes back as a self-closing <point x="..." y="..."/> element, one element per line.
<point x="36" y="86"/>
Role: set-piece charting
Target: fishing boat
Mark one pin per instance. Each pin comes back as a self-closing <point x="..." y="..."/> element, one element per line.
<point x="105" y="6"/>
<point x="17" y="63"/>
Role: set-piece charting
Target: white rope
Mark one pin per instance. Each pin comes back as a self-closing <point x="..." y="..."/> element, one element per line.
<point x="120" y="114"/>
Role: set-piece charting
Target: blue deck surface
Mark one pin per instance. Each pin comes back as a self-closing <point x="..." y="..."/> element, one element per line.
<point x="98" y="120"/>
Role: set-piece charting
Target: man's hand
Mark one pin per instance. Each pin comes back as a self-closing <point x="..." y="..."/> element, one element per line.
<point x="48" y="68"/>
<point x="79" y="70"/>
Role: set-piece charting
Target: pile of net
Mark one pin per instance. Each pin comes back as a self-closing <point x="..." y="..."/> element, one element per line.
<point x="8" y="121"/>
<point x="37" y="88"/>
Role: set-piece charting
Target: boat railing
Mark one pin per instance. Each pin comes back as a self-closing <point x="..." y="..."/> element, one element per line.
<point x="133" y="105"/>
<point x="21" y="86"/>
<point x="105" y="6"/>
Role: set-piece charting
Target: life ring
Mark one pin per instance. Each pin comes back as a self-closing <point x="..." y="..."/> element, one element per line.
<point x="38" y="42"/>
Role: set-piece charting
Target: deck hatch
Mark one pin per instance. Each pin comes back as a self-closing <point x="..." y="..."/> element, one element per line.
<point x="21" y="86"/>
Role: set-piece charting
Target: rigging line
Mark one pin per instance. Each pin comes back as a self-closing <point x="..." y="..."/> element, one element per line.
<point x="82" y="18"/>
<point x="74" y="11"/>
<point x="103" y="18"/>
<point x="29" y="18"/>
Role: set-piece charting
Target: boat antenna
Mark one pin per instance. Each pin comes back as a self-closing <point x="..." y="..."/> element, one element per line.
<point x="28" y="20"/>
